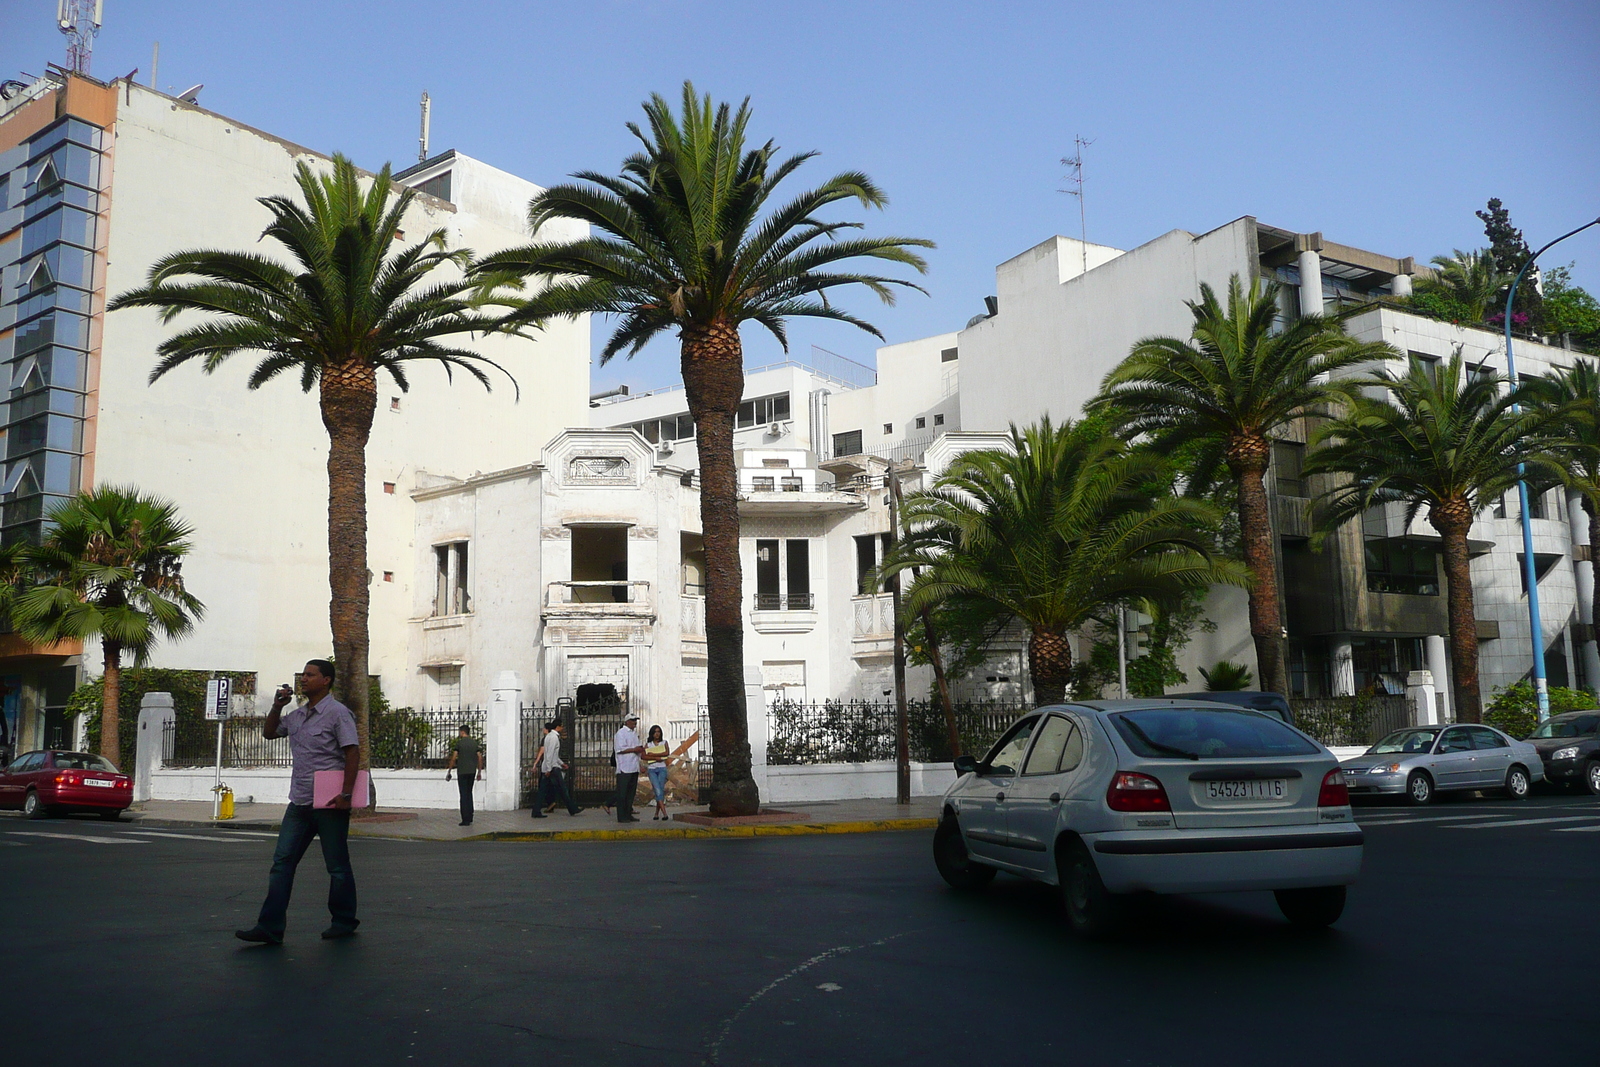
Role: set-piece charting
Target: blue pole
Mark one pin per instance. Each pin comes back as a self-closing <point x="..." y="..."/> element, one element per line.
<point x="1541" y="686"/>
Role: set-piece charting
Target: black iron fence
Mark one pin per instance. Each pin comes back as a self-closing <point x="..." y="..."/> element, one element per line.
<point x="1354" y="720"/>
<point x="403" y="739"/>
<point x="193" y="743"/>
<point x="532" y="736"/>
<point x="861" y="731"/>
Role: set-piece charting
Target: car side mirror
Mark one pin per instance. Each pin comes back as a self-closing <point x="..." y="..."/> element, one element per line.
<point x="966" y="765"/>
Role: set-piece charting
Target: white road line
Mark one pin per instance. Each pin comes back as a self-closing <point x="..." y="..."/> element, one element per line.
<point x="1522" y="822"/>
<point x="1576" y="829"/>
<point x="187" y="837"/>
<point x="1435" y="818"/>
<point x="82" y="837"/>
<point x="14" y="844"/>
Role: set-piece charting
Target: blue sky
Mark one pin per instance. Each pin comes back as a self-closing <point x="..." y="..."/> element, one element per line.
<point x="1384" y="125"/>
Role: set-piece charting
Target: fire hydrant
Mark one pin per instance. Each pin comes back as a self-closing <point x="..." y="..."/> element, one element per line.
<point x="225" y="807"/>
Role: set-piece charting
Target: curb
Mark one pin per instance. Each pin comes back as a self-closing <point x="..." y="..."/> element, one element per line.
<point x="759" y="830"/>
<point x="190" y="824"/>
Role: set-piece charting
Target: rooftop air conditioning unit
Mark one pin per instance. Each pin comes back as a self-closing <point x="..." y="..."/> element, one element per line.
<point x="777" y="428"/>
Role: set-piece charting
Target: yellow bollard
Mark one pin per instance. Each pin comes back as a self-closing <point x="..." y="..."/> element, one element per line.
<point x="227" y="804"/>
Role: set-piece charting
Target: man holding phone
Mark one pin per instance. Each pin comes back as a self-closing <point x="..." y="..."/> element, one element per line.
<point x="322" y="737"/>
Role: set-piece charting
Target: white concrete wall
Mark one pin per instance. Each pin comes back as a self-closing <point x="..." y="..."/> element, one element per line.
<point x="248" y="468"/>
<point x="270" y="785"/>
<point x="853" y="781"/>
<point x="914" y="382"/>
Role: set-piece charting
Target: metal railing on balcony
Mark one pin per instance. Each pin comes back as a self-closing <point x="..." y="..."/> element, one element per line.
<point x="786" y="601"/>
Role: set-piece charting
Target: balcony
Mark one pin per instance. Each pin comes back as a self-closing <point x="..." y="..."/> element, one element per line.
<point x="615" y="598"/>
<point x="872" y="634"/>
<point x="692" y="617"/>
<point x="784" y="613"/>
<point x="785" y="601"/>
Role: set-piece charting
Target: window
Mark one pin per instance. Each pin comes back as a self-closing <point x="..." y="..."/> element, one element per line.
<point x="1210" y="733"/>
<point x="1006" y="756"/>
<point x="447" y="688"/>
<point x="799" y="553"/>
<point x="1402" y="565"/>
<point x="438" y="185"/>
<point x="40" y="279"/>
<point x="949" y="355"/>
<point x="938" y="420"/>
<point x="1288" y="460"/>
<point x="763" y="410"/>
<point x="388" y="487"/>
<point x="795" y="573"/>
<point x="1485" y="738"/>
<point x="922" y="422"/>
<point x="871" y="549"/>
<point x="1430" y="367"/>
<point x="48" y="177"/>
<point x="1046" y="753"/>
<point x="450" y="596"/>
<point x="888" y="429"/>
<point x="1537" y="508"/>
<point x="764" y="483"/>
<point x="1500" y="506"/>
<point x="394" y="403"/>
<point x="1456" y="741"/>
<point x="1543" y="562"/>
<point x="768" y="595"/>
<point x="847" y="444"/>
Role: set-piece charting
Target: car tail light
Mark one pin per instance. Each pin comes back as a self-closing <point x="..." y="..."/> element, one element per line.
<point x="1334" y="793"/>
<point x="68" y="779"/>
<point x="1136" y="792"/>
<point x="124" y="783"/>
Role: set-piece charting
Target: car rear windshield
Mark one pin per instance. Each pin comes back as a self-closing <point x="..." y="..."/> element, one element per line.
<point x="1578" y="727"/>
<point x="1208" y="733"/>
<point x="82" y="761"/>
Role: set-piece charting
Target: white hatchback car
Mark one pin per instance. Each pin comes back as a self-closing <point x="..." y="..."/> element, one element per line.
<point x="1107" y="798"/>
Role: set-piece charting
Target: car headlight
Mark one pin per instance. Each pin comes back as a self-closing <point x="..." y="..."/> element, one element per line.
<point x="1386" y="768"/>
<point x="1570" y="752"/>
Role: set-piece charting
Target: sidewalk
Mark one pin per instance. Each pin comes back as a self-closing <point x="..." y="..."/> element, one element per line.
<point x="591" y="824"/>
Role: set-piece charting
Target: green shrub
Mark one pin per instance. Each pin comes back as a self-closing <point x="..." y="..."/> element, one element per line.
<point x="188" y="689"/>
<point x="1515" y="708"/>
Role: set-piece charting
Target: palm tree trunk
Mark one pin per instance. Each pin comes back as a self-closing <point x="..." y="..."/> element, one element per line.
<point x="349" y="398"/>
<point x="1050" y="660"/>
<point x="1453" y="520"/>
<point x="1248" y="462"/>
<point x="936" y="658"/>
<point x="713" y="377"/>
<point x="111" y="703"/>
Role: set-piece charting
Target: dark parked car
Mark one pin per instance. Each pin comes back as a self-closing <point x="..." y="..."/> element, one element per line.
<point x="45" y="783"/>
<point x="1274" y="704"/>
<point x="1569" y="744"/>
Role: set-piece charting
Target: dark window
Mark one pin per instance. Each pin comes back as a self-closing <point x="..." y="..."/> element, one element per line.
<point x="1006" y="756"/>
<point x="888" y="428"/>
<point x="762" y="411"/>
<point x="1401" y="565"/>
<point x="1456" y="741"/>
<point x="1045" y="756"/>
<point x="1430" y="366"/>
<point x="1542" y="563"/>
<point x="1536" y="506"/>
<point x="767" y="569"/>
<point x="847" y="444"/>
<point x="866" y="560"/>
<point x="1288" y="460"/>
<point x="922" y="422"/>
<point x="438" y="185"/>
<point x="938" y="420"/>
<point x="949" y="355"/>
<point x="799" y="573"/>
<point x="1208" y="733"/>
<point x="1484" y="738"/>
<point x="1500" y="506"/>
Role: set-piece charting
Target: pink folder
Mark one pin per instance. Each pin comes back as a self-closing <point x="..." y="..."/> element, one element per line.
<point x="325" y="785"/>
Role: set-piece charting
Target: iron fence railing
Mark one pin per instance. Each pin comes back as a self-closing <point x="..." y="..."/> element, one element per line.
<point x="1352" y="720"/>
<point x="860" y="731"/>
<point x="785" y="601"/>
<point x="404" y="739"/>
<point x="193" y="743"/>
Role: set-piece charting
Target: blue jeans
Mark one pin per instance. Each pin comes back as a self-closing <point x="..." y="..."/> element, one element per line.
<point x="553" y="786"/>
<point x="658" y="781"/>
<point x="302" y="822"/>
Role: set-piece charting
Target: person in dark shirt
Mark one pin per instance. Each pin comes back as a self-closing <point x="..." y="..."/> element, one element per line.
<point x="466" y="759"/>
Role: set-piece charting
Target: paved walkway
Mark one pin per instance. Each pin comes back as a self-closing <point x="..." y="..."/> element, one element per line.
<point x="437" y="824"/>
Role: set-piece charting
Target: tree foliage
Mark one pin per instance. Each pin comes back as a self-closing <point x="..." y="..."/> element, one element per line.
<point x="1510" y="251"/>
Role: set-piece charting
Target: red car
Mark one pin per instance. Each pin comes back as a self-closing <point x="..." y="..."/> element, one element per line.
<point x="45" y="783"/>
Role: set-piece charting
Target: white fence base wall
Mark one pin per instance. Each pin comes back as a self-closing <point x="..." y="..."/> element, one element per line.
<point x="270" y="785"/>
<point x="852" y="781"/>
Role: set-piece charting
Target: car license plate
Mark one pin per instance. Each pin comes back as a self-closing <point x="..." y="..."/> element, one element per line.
<point x="1248" y="789"/>
<point x="99" y="782"/>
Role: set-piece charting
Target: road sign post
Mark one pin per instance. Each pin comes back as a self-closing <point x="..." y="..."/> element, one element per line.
<point x="219" y="701"/>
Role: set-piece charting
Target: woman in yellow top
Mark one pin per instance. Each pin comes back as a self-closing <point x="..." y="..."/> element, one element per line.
<point x="655" y="763"/>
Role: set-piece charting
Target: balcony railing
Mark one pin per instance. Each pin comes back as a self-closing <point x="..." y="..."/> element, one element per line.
<point x="785" y="601"/>
<point x="693" y="617"/>
<point x="874" y="616"/>
<point x="635" y="595"/>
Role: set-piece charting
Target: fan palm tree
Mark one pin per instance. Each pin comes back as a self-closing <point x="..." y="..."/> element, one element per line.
<point x="1447" y="442"/>
<point x="346" y="307"/>
<point x="1220" y="397"/>
<point x="1054" y="531"/>
<point x="1470" y="279"/>
<point x="110" y="567"/>
<point x="1570" y="399"/>
<point x="688" y="239"/>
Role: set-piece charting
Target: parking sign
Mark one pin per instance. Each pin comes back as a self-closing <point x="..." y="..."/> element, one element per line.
<point x="219" y="698"/>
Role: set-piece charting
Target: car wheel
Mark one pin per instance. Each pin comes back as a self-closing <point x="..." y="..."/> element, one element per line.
<point x="1419" y="788"/>
<point x="1518" y="787"/>
<point x="1312" y="908"/>
<point x="1591" y="777"/>
<point x="33" y="807"/>
<point x="1092" y="910"/>
<point x="950" y="857"/>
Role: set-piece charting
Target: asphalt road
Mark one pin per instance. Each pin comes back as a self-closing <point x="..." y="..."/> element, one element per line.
<point x="1470" y="940"/>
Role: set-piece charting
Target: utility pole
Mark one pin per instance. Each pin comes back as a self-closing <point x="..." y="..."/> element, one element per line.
<point x="902" y="726"/>
<point x="1122" y="650"/>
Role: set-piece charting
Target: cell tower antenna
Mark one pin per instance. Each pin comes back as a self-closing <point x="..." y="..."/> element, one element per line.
<point x="80" y="21"/>
<point x="427" y="112"/>
<point x="1075" y="179"/>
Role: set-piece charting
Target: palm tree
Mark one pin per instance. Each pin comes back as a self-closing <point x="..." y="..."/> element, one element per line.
<point x="1220" y="398"/>
<point x="110" y="567"/>
<point x="1571" y="400"/>
<point x="1052" y="532"/>
<point x="348" y="307"/>
<point x="1444" y="441"/>
<point x="689" y="240"/>
<point x="1470" y="279"/>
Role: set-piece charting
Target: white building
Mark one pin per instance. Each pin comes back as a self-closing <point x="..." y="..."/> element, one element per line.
<point x="99" y="181"/>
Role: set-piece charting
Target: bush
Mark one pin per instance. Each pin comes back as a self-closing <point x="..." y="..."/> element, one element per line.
<point x="1515" y="708"/>
<point x="188" y="689"/>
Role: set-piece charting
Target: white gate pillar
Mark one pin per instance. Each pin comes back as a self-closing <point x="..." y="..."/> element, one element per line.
<point x="503" y="744"/>
<point x="755" y="713"/>
<point x="1424" y="702"/>
<point x="155" y="712"/>
<point x="1439" y="667"/>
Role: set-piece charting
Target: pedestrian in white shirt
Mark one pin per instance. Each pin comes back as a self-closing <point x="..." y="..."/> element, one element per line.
<point x="552" y="783"/>
<point x="628" y="748"/>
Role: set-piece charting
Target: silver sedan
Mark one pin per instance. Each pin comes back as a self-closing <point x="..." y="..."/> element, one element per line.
<point x="1424" y="761"/>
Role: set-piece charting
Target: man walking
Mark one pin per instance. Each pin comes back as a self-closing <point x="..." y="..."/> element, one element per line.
<point x="628" y="749"/>
<point x="552" y="783"/>
<point x="466" y="759"/>
<point x="322" y="737"/>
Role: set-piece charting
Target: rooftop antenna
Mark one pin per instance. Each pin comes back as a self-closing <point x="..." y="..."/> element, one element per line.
<point x="427" y="112"/>
<point x="80" y="21"/>
<point x="1075" y="179"/>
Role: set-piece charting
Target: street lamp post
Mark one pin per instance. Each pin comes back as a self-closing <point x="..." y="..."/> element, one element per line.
<point x="1530" y="572"/>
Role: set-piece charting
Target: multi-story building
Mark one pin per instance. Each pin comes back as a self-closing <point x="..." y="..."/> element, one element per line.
<point x="98" y="181"/>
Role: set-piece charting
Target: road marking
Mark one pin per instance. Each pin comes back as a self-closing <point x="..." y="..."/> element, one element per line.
<point x="1522" y="822"/>
<point x="82" y="837"/>
<point x="1576" y="829"/>
<point x="188" y="837"/>
<point x="14" y="844"/>
<point x="1402" y="820"/>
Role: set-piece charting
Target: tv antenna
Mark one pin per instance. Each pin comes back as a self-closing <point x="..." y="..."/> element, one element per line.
<point x="427" y="112"/>
<point x="80" y="21"/>
<point x="1075" y="179"/>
